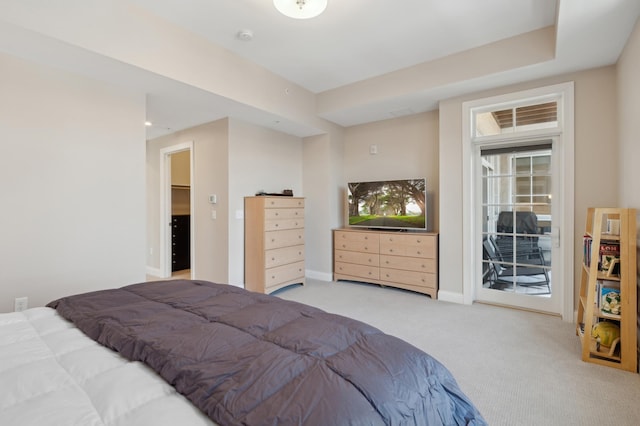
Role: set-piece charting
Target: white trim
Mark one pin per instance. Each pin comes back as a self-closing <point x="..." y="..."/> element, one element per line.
<point x="564" y="92"/>
<point x="154" y="272"/>
<point x="450" y="296"/>
<point x="317" y="275"/>
<point x="165" y="207"/>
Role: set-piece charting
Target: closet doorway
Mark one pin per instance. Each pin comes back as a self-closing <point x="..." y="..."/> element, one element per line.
<point x="177" y="219"/>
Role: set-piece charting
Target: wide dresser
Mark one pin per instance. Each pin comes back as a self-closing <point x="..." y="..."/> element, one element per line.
<point x="273" y="242"/>
<point x="407" y="260"/>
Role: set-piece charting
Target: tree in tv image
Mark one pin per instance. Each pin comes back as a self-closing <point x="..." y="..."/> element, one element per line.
<point x="388" y="204"/>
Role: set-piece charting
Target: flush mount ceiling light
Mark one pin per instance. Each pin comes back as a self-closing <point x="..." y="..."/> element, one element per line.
<point x="300" y="9"/>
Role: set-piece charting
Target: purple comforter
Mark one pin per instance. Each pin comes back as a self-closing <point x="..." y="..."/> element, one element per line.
<point x="251" y="359"/>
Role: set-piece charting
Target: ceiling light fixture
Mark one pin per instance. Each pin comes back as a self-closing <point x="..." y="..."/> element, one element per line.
<point x="300" y="9"/>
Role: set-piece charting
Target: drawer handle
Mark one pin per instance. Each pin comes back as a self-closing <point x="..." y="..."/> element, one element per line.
<point x="366" y="238"/>
<point x="390" y="250"/>
<point x="277" y="225"/>
<point x="419" y="252"/>
<point x="277" y="213"/>
<point x="344" y="246"/>
<point x="273" y="258"/>
<point x="419" y="240"/>
<point x="273" y="240"/>
<point x="300" y="253"/>
<point x="299" y="236"/>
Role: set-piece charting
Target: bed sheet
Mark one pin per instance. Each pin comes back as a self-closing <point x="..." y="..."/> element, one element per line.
<point x="52" y="374"/>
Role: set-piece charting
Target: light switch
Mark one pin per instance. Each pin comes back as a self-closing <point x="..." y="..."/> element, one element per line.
<point x="213" y="198"/>
<point x="214" y="214"/>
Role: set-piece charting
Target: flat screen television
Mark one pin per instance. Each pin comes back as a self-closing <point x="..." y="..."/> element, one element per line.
<point x="389" y="204"/>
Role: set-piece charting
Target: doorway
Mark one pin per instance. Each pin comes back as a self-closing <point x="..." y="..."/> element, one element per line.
<point x="518" y="148"/>
<point x="516" y="230"/>
<point x="176" y="211"/>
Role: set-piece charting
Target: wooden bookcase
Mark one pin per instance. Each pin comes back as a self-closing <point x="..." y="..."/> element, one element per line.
<point x="609" y="262"/>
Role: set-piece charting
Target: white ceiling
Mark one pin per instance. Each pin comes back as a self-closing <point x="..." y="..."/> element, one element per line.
<point x="352" y="41"/>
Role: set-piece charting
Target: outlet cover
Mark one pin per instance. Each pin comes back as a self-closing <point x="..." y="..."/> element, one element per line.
<point x="20" y="304"/>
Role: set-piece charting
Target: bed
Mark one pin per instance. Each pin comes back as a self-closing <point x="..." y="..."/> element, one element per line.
<point x="150" y="353"/>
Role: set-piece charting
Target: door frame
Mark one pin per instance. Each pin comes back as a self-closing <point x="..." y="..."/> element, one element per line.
<point x="565" y="152"/>
<point x="165" y="207"/>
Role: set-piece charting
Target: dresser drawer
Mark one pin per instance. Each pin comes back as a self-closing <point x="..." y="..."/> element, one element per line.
<point x="277" y="214"/>
<point x="286" y="238"/>
<point x="283" y="202"/>
<point x="284" y="273"/>
<point x="356" y="257"/>
<point x="409" y="245"/>
<point x="357" y="271"/>
<point x="276" y="225"/>
<point x="419" y="279"/>
<point x="357" y="241"/>
<point x="283" y="256"/>
<point x="409" y="263"/>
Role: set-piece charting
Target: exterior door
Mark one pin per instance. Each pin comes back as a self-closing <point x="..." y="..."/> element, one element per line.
<point x="516" y="233"/>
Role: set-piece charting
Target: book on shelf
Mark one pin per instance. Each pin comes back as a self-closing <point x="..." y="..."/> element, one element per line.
<point x="607" y="253"/>
<point x="609" y="297"/>
<point x="586" y="246"/>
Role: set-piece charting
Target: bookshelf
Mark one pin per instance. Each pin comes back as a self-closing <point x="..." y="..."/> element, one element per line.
<point x="607" y="311"/>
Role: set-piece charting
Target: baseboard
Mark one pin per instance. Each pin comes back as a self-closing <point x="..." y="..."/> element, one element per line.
<point x="154" y="272"/>
<point x="317" y="275"/>
<point x="449" y="296"/>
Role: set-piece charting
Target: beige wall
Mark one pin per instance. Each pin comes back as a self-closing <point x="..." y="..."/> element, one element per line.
<point x="180" y="168"/>
<point x="259" y="159"/>
<point x="628" y="130"/>
<point x="595" y="143"/>
<point x="232" y="159"/>
<point x="323" y="178"/>
<point x="72" y="184"/>
<point x="210" y="170"/>
<point x="407" y="148"/>
<point x="628" y="72"/>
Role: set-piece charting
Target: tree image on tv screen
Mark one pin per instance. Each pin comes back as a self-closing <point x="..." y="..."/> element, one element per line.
<point x="389" y="204"/>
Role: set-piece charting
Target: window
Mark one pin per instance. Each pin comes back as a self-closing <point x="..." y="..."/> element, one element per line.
<point x="516" y="119"/>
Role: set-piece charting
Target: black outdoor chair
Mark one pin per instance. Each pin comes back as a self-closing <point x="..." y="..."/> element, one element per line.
<point x="500" y="269"/>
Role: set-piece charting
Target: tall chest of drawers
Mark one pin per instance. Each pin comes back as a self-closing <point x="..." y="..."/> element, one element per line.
<point x="394" y="259"/>
<point x="273" y="242"/>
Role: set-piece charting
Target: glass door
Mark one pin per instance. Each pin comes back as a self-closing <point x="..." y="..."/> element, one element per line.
<point x="516" y="230"/>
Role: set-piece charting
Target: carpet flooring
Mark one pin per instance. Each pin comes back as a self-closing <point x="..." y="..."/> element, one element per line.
<point x="518" y="367"/>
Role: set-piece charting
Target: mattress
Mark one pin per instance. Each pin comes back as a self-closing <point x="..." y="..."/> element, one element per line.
<point x="53" y="374"/>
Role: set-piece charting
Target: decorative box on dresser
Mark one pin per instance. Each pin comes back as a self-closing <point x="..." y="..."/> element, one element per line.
<point x="273" y="242"/>
<point x="406" y="260"/>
